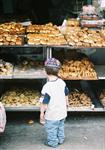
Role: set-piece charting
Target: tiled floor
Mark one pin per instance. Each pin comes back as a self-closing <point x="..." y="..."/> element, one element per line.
<point x="82" y="133"/>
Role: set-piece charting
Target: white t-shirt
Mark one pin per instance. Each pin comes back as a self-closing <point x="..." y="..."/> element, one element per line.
<point x="57" y="109"/>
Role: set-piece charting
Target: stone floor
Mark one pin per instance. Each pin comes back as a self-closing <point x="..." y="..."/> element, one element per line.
<point x="83" y="132"/>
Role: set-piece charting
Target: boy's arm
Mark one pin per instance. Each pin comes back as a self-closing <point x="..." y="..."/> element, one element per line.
<point x="44" y="100"/>
<point x="67" y="102"/>
<point x="66" y="95"/>
<point x="43" y="108"/>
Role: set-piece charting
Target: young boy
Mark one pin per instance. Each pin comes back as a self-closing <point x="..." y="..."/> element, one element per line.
<point x="54" y="102"/>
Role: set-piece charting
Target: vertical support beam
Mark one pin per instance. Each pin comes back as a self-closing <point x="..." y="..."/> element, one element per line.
<point x="49" y="52"/>
<point x="44" y="53"/>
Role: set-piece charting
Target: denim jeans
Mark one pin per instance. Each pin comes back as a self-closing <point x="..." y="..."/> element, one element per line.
<point x="55" y="132"/>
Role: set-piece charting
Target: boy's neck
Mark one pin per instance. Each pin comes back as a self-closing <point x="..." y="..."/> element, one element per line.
<point x="52" y="78"/>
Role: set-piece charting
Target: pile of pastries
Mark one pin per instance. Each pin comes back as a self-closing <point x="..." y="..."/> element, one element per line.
<point x="47" y="34"/>
<point x="20" y="97"/>
<point x="7" y="39"/>
<point x="46" y="39"/>
<point x="102" y="32"/>
<point x="29" y="67"/>
<point x="79" y="99"/>
<point x="43" y="29"/>
<point x="72" y="23"/>
<point x="69" y="30"/>
<point x="6" y="68"/>
<point x="84" y="38"/>
<point x="102" y="97"/>
<point x="12" y="28"/>
<point x="78" y="69"/>
<point x="28" y="64"/>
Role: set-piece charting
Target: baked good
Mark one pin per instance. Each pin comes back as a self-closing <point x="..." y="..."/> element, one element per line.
<point x="43" y="29"/>
<point x="84" y="38"/>
<point x="7" y="39"/>
<point x="46" y="39"/>
<point x="79" y="99"/>
<point x="102" y="97"/>
<point x="72" y="23"/>
<point x="12" y="28"/>
<point x="20" y="97"/>
<point x="6" y="68"/>
<point x="77" y="69"/>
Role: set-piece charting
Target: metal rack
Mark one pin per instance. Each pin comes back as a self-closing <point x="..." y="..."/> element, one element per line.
<point x="47" y="51"/>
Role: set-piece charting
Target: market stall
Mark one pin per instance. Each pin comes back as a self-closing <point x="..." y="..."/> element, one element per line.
<point x="80" y="48"/>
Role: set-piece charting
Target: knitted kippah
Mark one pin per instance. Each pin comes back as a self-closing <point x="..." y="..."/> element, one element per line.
<point x="52" y="62"/>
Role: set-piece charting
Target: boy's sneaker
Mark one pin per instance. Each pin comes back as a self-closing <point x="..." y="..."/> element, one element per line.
<point x="61" y="142"/>
<point x="47" y="144"/>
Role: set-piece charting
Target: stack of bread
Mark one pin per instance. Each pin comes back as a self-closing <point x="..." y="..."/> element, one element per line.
<point x="47" y="34"/>
<point x="20" y="97"/>
<point x="6" y="68"/>
<point x="84" y="38"/>
<point x="102" y="97"/>
<point x="28" y="64"/>
<point x="72" y="23"/>
<point x="43" y="29"/>
<point x="78" y="69"/>
<point x="10" y="33"/>
<point x="7" y="39"/>
<point x="12" y="28"/>
<point x="46" y="39"/>
<point x="79" y="99"/>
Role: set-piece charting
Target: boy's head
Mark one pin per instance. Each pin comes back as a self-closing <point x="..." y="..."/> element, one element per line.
<point x="52" y="66"/>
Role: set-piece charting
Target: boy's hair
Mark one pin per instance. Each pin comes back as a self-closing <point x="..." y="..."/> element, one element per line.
<point x="52" y="71"/>
<point x="52" y="66"/>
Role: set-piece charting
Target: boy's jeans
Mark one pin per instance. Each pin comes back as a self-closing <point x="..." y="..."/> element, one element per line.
<point x="55" y="132"/>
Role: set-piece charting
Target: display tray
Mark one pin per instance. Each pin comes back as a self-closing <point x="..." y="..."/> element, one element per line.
<point x="22" y="46"/>
<point x="19" y="40"/>
<point x="22" y="108"/>
<point x="77" y="109"/>
<point x="100" y="69"/>
<point x="33" y="45"/>
<point x="36" y="108"/>
<point x="83" y="47"/>
<point x="49" y="46"/>
<point x="60" y="46"/>
<point x="6" y="76"/>
<point x="69" y="46"/>
<point x="71" y="78"/>
<point x="81" y="108"/>
<point x="30" y="73"/>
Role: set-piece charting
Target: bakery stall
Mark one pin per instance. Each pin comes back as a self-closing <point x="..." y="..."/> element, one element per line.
<point x="27" y="40"/>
